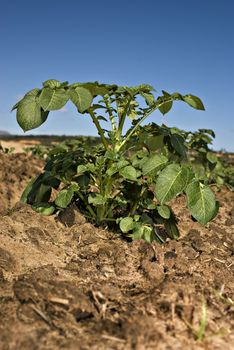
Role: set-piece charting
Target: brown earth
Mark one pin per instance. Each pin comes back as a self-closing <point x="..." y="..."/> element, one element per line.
<point x="20" y="145"/>
<point x="75" y="286"/>
<point x="15" y="171"/>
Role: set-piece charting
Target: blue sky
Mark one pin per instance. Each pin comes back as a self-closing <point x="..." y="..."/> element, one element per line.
<point x="173" y="45"/>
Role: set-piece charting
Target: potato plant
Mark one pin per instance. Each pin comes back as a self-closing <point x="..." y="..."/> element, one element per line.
<point x="208" y="165"/>
<point x="128" y="181"/>
<point x="194" y="148"/>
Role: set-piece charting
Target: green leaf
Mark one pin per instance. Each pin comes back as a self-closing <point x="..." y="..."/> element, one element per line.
<point x="64" y="84"/>
<point x="154" y="163"/>
<point x="171" y="228"/>
<point x="33" y="93"/>
<point x="83" y="181"/>
<point x="178" y="143"/>
<point x="100" y="117"/>
<point x="164" y="211"/>
<point x="146" y="219"/>
<point x="96" y="88"/>
<point x="149" y="98"/>
<point x="194" y="102"/>
<point x="138" y="231"/>
<point x="145" y="88"/>
<point x="126" y="224"/>
<point x="133" y="115"/>
<point x="201" y="202"/>
<point x="51" y="83"/>
<point x="212" y="157"/>
<point x="43" y="208"/>
<point x="129" y="173"/>
<point x="122" y="163"/>
<point x="39" y="188"/>
<point x="165" y="104"/>
<point x="81" y="169"/>
<point x="208" y="131"/>
<point x="53" y="99"/>
<point x="81" y="97"/>
<point x="96" y="199"/>
<point x="43" y="193"/>
<point x="219" y="180"/>
<point x="110" y="154"/>
<point x="116" y="167"/>
<point x="171" y="182"/>
<point x="112" y="170"/>
<point x="155" y="142"/>
<point x="29" y="113"/>
<point x="177" y="96"/>
<point x="15" y="106"/>
<point x="64" y="197"/>
<point x="27" y="190"/>
<point x="50" y="180"/>
<point x="148" y="234"/>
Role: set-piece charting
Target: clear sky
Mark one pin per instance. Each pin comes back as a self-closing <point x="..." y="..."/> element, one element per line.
<point x="184" y="46"/>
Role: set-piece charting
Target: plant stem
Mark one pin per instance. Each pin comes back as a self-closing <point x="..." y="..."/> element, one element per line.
<point x="100" y="131"/>
<point x="112" y="119"/>
<point x="136" y="204"/>
<point x="122" y="119"/>
<point x="141" y="121"/>
<point x="87" y="205"/>
<point x="106" y="219"/>
<point x="105" y="188"/>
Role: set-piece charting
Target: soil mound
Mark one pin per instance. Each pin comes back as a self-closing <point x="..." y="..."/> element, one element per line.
<point x="15" y="172"/>
<point x="81" y="287"/>
<point x="65" y="284"/>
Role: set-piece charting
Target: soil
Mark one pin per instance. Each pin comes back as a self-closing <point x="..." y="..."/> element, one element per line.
<point x="20" y="145"/>
<point x="15" y="171"/>
<point x="65" y="284"/>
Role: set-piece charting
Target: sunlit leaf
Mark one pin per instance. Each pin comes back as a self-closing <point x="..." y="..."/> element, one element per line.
<point x="149" y="98"/>
<point x="194" y="102"/>
<point x="95" y="88"/>
<point x="96" y="199"/>
<point x="165" y="104"/>
<point x="29" y="112"/>
<point x="212" y="157"/>
<point x="64" y="197"/>
<point x="164" y="211"/>
<point x="81" y="97"/>
<point x="53" y="99"/>
<point x="201" y="201"/>
<point x="44" y="208"/>
<point x="51" y="83"/>
<point x="129" y="172"/>
<point x="154" y="163"/>
<point x="171" y="182"/>
<point x="126" y="224"/>
<point x="116" y="167"/>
